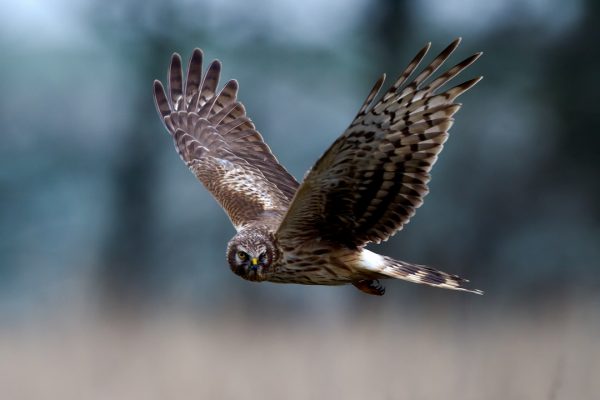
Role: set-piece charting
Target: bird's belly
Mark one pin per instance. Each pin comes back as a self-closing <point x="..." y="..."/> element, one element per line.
<point x="315" y="268"/>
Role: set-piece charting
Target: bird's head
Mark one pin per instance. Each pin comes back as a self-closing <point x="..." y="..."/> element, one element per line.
<point x="250" y="254"/>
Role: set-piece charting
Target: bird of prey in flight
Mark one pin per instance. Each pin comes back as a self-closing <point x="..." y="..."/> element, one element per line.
<point x="363" y="189"/>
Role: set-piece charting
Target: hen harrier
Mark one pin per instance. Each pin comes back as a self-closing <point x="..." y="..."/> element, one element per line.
<point x="364" y="189"/>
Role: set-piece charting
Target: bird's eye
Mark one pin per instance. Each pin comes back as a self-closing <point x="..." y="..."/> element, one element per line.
<point x="242" y="255"/>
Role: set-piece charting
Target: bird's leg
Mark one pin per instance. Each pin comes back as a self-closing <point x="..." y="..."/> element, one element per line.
<point x="370" y="286"/>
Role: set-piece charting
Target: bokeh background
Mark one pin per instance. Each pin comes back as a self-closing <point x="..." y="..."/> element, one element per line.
<point x="113" y="282"/>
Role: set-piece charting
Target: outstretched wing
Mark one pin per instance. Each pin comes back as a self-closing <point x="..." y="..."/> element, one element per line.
<point x="369" y="183"/>
<point x="220" y="144"/>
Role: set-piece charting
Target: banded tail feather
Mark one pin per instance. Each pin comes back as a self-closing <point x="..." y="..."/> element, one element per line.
<point x="388" y="267"/>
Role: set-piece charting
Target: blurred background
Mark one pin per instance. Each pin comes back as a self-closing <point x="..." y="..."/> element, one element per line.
<point x="113" y="280"/>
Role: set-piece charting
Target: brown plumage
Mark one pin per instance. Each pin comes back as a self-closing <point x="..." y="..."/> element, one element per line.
<point x="364" y="189"/>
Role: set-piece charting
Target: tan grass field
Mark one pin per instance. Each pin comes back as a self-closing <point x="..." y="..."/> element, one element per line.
<point x="231" y="357"/>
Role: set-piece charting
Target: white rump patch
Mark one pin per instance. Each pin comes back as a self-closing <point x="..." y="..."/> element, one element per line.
<point x="371" y="261"/>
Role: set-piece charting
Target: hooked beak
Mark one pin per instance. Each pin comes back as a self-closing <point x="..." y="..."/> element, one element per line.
<point x="253" y="274"/>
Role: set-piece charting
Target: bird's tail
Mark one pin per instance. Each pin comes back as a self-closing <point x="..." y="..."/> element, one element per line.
<point x="423" y="274"/>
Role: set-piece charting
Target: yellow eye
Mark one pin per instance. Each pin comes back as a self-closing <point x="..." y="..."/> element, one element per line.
<point x="242" y="256"/>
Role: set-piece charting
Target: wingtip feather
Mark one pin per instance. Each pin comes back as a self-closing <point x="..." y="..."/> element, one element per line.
<point x="160" y="99"/>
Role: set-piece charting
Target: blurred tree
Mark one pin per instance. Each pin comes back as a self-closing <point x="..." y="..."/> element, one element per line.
<point x="126" y="274"/>
<point x="572" y="80"/>
<point x="391" y="25"/>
